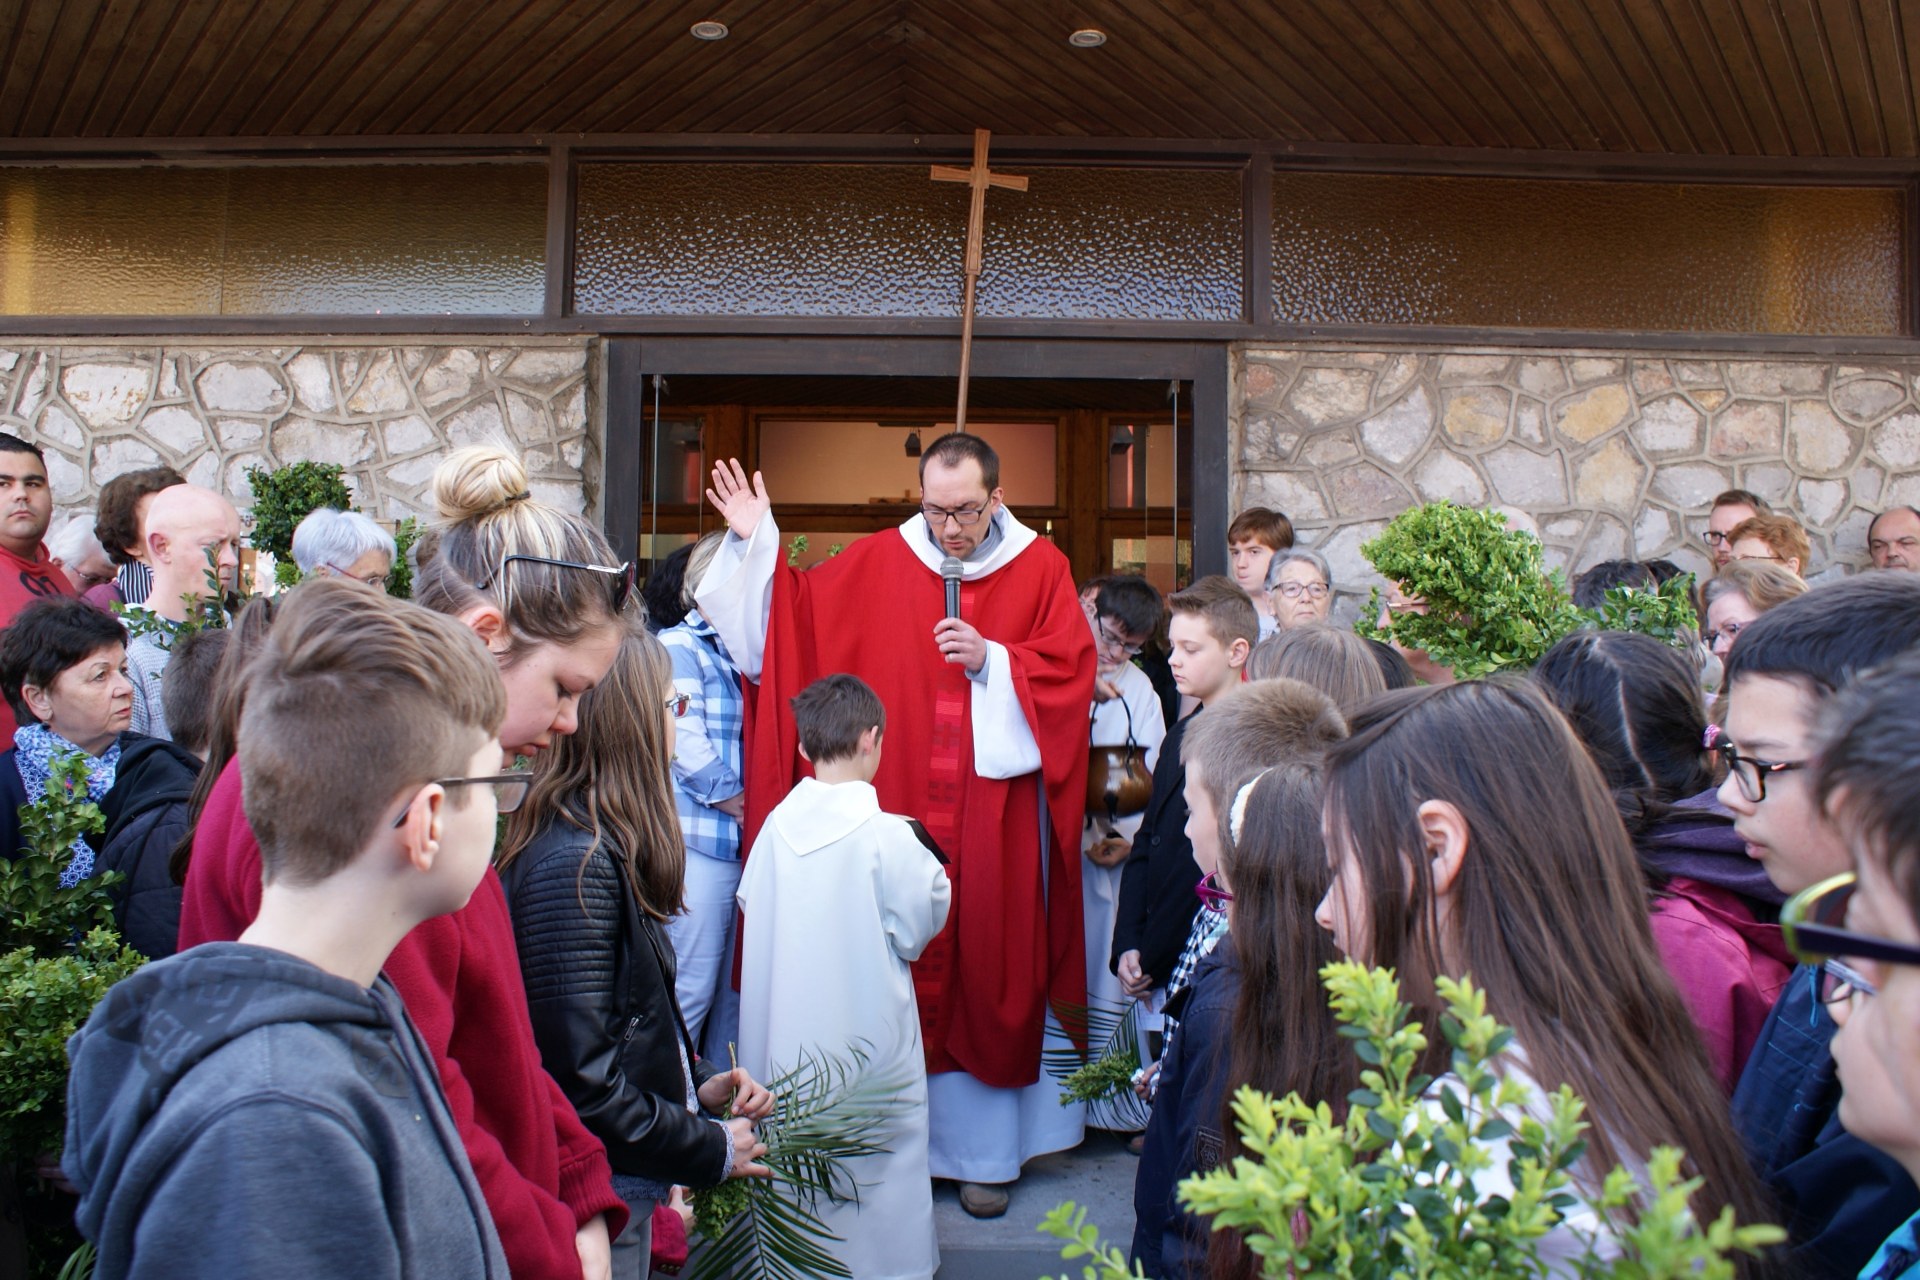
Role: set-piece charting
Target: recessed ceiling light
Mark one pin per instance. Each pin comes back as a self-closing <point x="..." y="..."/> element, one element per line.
<point x="1087" y="38"/>
<point x="710" y="30"/>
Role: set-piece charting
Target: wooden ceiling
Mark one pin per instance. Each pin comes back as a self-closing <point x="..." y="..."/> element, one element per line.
<point x="1764" y="78"/>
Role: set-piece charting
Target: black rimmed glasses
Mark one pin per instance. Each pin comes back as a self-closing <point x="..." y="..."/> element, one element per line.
<point x="619" y="577"/>
<point x="965" y="517"/>
<point x="1750" y="772"/>
<point x="1114" y="640"/>
<point x="1714" y="538"/>
<point x="1813" y="925"/>
<point x="509" y="791"/>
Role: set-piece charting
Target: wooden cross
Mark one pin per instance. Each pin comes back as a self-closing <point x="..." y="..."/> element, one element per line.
<point x="979" y="177"/>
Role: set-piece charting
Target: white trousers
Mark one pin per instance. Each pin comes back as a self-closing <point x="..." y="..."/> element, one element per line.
<point x="703" y="957"/>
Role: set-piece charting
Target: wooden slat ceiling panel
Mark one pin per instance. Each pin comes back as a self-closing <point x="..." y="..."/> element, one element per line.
<point x="1762" y="78"/>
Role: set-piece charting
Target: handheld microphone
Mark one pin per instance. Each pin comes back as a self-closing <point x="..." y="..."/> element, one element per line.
<point x="950" y="570"/>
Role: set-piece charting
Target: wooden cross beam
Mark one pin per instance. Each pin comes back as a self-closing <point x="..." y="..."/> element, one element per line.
<point x="979" y="177"/>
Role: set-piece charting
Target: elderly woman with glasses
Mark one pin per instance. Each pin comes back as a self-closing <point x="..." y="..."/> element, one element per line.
<point x="1300" y="587"/>
<point x="343" y="544"/>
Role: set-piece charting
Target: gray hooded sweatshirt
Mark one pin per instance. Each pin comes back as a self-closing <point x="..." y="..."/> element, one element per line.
<point x="234" y="1111"/>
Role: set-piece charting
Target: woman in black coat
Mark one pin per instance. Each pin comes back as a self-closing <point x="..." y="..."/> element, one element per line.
<point x="592" y="864"/>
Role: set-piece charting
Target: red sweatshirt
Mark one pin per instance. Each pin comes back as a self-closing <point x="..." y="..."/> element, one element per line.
<point x="21" y="583"/>
<point x="544" y="1176"/>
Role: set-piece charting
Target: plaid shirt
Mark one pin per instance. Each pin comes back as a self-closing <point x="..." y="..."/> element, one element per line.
<point x="1209" y="926"/>
<point x="706" y="753"/>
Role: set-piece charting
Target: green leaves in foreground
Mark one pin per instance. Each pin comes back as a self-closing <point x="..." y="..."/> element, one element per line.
<point x="1390" y="1190"/>
<point x="830" y="1109"/>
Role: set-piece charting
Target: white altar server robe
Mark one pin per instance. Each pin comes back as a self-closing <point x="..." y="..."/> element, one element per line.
<point x="838" y="897"/>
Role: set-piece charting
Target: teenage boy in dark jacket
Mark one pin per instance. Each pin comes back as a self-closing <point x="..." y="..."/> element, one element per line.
<point x="1840" y="1198"/>
<point x="266" y="1107"/>
<point x="1211" y="629"/>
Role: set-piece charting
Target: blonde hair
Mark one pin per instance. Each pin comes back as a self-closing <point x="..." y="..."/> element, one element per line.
<point x="1762" y="583"/>
<point x="486" y="514"/>
<point x="698" y="561"/>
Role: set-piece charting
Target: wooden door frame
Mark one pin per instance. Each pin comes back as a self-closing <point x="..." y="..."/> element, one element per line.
<point x="1204" y="366"/>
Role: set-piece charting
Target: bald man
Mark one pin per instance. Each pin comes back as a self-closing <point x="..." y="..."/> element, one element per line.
<point x="1893" y="539"/>
<point x="188" y="531"/>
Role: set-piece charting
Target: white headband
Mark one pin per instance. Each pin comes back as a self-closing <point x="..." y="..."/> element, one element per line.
<point x="1237" y="814"/>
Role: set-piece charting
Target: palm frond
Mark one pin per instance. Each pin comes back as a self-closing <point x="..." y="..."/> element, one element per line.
<point x="831" y="1109"/>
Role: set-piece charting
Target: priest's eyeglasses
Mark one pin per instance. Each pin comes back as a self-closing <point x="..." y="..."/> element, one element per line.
<point x="962" y="516"/>
<point x="619" y="577"/>
<point x="509" y="791"/>
<point x="1750" y="772"/>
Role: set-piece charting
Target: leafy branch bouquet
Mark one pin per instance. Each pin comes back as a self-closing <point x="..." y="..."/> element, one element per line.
<point x="1390" y="1190"/>
<point x="1490" y="603"/>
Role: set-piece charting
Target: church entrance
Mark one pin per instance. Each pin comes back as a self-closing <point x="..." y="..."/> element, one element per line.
<point x="1103" y="467"/>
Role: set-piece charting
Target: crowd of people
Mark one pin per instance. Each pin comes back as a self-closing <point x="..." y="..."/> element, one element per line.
<point x="491" y="905"/>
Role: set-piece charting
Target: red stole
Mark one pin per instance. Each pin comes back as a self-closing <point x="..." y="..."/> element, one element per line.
<point x="1014" y="941"/>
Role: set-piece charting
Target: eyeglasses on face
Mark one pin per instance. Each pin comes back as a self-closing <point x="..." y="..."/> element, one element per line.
<point x="962" y="516"/>
<point x="1729" y="631"/>
<point x="619" y="577"/>
<point x="1714" y="538"/>
<point x="509" y="791"/>
<point x="1750" y="556"/>
<point x="1211" y="892"/>
<point x="678" y="703"/>
<point x="371" y="579"/>
<point x="1114" y="640"/>
<point x="1750" y="772"/>
<point x="1841" y="983"/>
<point x="1294" y="590"/>
<point x="1813" y="925"/>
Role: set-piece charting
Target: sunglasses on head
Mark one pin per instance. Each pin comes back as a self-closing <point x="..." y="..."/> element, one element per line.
<point x="619" y="577"/>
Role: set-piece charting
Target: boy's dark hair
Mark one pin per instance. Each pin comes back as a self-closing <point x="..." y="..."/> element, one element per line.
<point x="1263" y="525"/>
<point x="1864" y="745"/>
<point x="1394" y="668"/>
<point x="832" y="713"/>
<point x="10" y="443"/>
<point x="1130" y="600"/>
<point x="115" y="519"/>
<point x="1741" y="498"/>
<point x="1663" y="570"/>
<point x="187" y="689"/>
<point x="1590" y="588"/>
<point x="956" y="447"/>
<point x="663" y="592"/>
<point x="386" y="695"/>
<point x="1826" y="637"/>
<point x="46" y="638"/>
<point x="1227" y="609"/>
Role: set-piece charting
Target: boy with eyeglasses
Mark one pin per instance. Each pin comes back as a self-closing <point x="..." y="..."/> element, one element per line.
<point x="1868" y="782"/>
<point x="267" y="1106"/>
<point x="1838" y="1196"/>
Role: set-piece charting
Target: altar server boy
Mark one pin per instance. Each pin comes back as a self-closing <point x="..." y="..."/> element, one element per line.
<point x="839" y="897"/>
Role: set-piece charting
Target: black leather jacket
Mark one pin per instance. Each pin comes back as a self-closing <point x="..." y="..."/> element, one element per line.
<point x="599" y="975"/>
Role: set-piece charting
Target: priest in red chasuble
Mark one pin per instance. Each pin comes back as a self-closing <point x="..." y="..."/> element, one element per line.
<point x="985" y="744"/>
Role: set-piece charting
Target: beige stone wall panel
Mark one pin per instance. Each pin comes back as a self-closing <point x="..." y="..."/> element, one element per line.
<point x="386" y="411"/>
<point x="1602" y="454"/>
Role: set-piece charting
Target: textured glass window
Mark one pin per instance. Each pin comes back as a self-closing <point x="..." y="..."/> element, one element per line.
<point x="111" y="241"/>
<point x="468" y="239"/>
<point x="1536" y="253"/>
<point x="884" y="240"/>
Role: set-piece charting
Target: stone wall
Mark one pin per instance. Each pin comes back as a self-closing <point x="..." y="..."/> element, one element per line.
<point x="387" y="413"/>
<point x="1603" y="454"/>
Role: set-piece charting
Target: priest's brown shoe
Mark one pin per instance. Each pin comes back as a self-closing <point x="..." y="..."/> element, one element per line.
<point x="984" y="1200"/>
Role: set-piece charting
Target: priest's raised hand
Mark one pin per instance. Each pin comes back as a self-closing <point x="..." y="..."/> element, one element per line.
<point x="739" y="503"/>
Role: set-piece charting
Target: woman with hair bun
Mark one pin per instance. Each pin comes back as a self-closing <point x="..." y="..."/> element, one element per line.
<point x="540" y="587"/>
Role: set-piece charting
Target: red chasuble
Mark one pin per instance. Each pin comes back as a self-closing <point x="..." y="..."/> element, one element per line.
<point x="1014" y="940"/>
